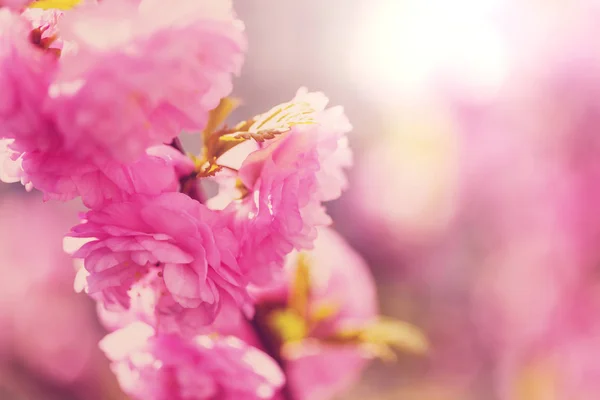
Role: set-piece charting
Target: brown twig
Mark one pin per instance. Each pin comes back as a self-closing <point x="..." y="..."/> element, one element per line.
<point x="189" y="184"/>
<point x="270" y="344"/>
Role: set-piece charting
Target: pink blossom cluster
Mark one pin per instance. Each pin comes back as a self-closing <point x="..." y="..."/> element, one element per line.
<point x="89" y="100"/>
<point x="94" y="96"/>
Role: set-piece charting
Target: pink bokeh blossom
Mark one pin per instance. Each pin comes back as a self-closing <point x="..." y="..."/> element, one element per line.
<point x="14" y="4"/>
<point x="56" y="112"/>
<point x="139" y="74"/>
<point x="46" y="327"/>
<point x="99" y="180"/>
<point x="25" y="75"/>
<point x="167" y="367"/>
<point x="339" y="278"/>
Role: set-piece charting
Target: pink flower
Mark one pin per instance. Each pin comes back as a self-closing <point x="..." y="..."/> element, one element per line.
<point x="167" y="367"/>
<point x="140" y="74"/>
<point x="152" y="303"/>
<point x="320" y="372"/>
<point x="338" y="276"/>
<point x="98" y="180"/>
<point x="315" y="370"/>
<point x="25" y="74"/>
<point x="169" y="237"/>
<point x="287" y="181"/>
<point x="14" y="4"/>
<point x="59" y="158"/>
<point x="33" y="151"/>
<point x="340" y="281"/>
<point x="10" y="163"/>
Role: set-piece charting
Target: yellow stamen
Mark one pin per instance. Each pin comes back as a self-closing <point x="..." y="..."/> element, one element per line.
<point x="290" y="326"/>
<point x="300" y="290"/>
<point x="54" y="4"/>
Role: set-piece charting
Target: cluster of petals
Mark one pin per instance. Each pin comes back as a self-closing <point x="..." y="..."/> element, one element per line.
<point x="314" y="369"/>
<point x="130" y="76"/>
<point x="287" y="180"/>
<point x="169" y="244"/>
<point x="151" y="302"/>
<point x="139" y="74"/>
<point x="32" y="149"/>
<point x="25" y="75"/>
<point x="167" y="367"/>
<point x="14" y="4"/>
<point x="10" y="164"/>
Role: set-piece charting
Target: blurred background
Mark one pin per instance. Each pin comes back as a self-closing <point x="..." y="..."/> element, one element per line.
<point x="474" y="197"/>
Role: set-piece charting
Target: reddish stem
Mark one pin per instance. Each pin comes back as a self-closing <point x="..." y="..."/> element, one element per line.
<point x="270" y="343"/>
<point x="189" y="184"/>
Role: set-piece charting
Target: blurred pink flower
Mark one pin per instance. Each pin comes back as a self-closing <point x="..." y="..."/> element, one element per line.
<point x="46" y="327"/>
<point x="14" y="4"/>
<point x="99" y="180"/>
<point x="152" y="303"/>
<point x="10" y="164"/>
<point x="166" y="367"/>
<point x="33" y="151"/>
<point x="320" y="372"/>
<point x="337" y="273"/>
<point x="171" y="237"/>
<point x="139" y="74"/>
<point x="47" y="120"/>
<point x="25" y="74"/>
<point x="531" y="181"/>
<point x="340" y="281"/>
